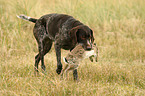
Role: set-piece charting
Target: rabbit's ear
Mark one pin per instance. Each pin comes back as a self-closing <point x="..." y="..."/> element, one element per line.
<point x="65" y="60"/>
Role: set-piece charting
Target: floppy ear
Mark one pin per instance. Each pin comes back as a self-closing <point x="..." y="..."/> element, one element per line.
<point x="92" y="37"/>
<point x="73" y="34"/>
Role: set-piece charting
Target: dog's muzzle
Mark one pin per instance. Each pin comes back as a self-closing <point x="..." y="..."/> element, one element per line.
<point x="89" y="45"/>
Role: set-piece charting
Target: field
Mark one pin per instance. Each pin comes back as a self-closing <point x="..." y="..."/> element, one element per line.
<point x="119" y="31"/>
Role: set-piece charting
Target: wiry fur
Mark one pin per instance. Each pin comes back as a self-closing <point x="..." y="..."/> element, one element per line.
<point x="64" y="30"/>
<point x="76" y="55"/>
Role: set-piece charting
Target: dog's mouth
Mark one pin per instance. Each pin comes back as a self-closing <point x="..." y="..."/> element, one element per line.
<point x="87" y="48"/>
<point x="88" y="45"/>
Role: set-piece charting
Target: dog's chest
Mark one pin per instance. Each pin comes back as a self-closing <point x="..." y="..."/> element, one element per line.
<point x="67" y="45"/>
<point x="66" y="42"/>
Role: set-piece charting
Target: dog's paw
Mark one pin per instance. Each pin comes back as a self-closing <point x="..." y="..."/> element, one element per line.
<point x="58" y="70"/>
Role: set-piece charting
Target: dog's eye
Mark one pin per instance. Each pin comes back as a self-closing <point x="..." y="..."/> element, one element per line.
<point x="83" y="37"/>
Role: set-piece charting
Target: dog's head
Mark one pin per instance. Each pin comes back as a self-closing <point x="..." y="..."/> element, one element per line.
<point x="82" y="35"/>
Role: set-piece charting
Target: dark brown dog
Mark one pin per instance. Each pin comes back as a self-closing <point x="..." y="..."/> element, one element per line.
<point x="64" y="31"/>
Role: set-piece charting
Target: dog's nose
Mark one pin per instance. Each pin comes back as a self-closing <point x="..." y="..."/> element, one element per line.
<point x="89" y="46"/>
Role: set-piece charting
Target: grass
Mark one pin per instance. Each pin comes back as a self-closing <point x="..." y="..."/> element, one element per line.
<point x="119" y="31"/>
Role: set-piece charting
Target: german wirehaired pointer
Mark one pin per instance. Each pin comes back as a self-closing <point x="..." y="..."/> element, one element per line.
<point x="73" y="58"/>
<point x="64" y="31"/>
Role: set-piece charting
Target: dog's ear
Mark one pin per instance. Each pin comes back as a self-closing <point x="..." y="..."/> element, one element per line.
<point x="92" y="37"/>
<point x="73" y="34"/>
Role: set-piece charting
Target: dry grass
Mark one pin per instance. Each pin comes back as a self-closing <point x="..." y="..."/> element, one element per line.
<point x="119" y="30"/>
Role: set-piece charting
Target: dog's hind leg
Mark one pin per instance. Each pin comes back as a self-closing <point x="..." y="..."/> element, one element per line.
<point x="46" y="48"/>
<point x="37" y="60"/>
<point x="47" y="43"/>
<point x="41" y="55"/>
<point x="44" y="45"/>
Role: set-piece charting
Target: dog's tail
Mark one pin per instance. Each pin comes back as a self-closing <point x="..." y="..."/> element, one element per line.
<point x="27" y="18"/>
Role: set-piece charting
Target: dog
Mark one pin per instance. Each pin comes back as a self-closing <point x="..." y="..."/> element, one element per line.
<point x="64" y="31"/>
<point x="76" y="55"/>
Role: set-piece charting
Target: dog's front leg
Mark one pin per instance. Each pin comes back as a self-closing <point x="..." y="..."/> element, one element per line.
<point x="58" y="56"/>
